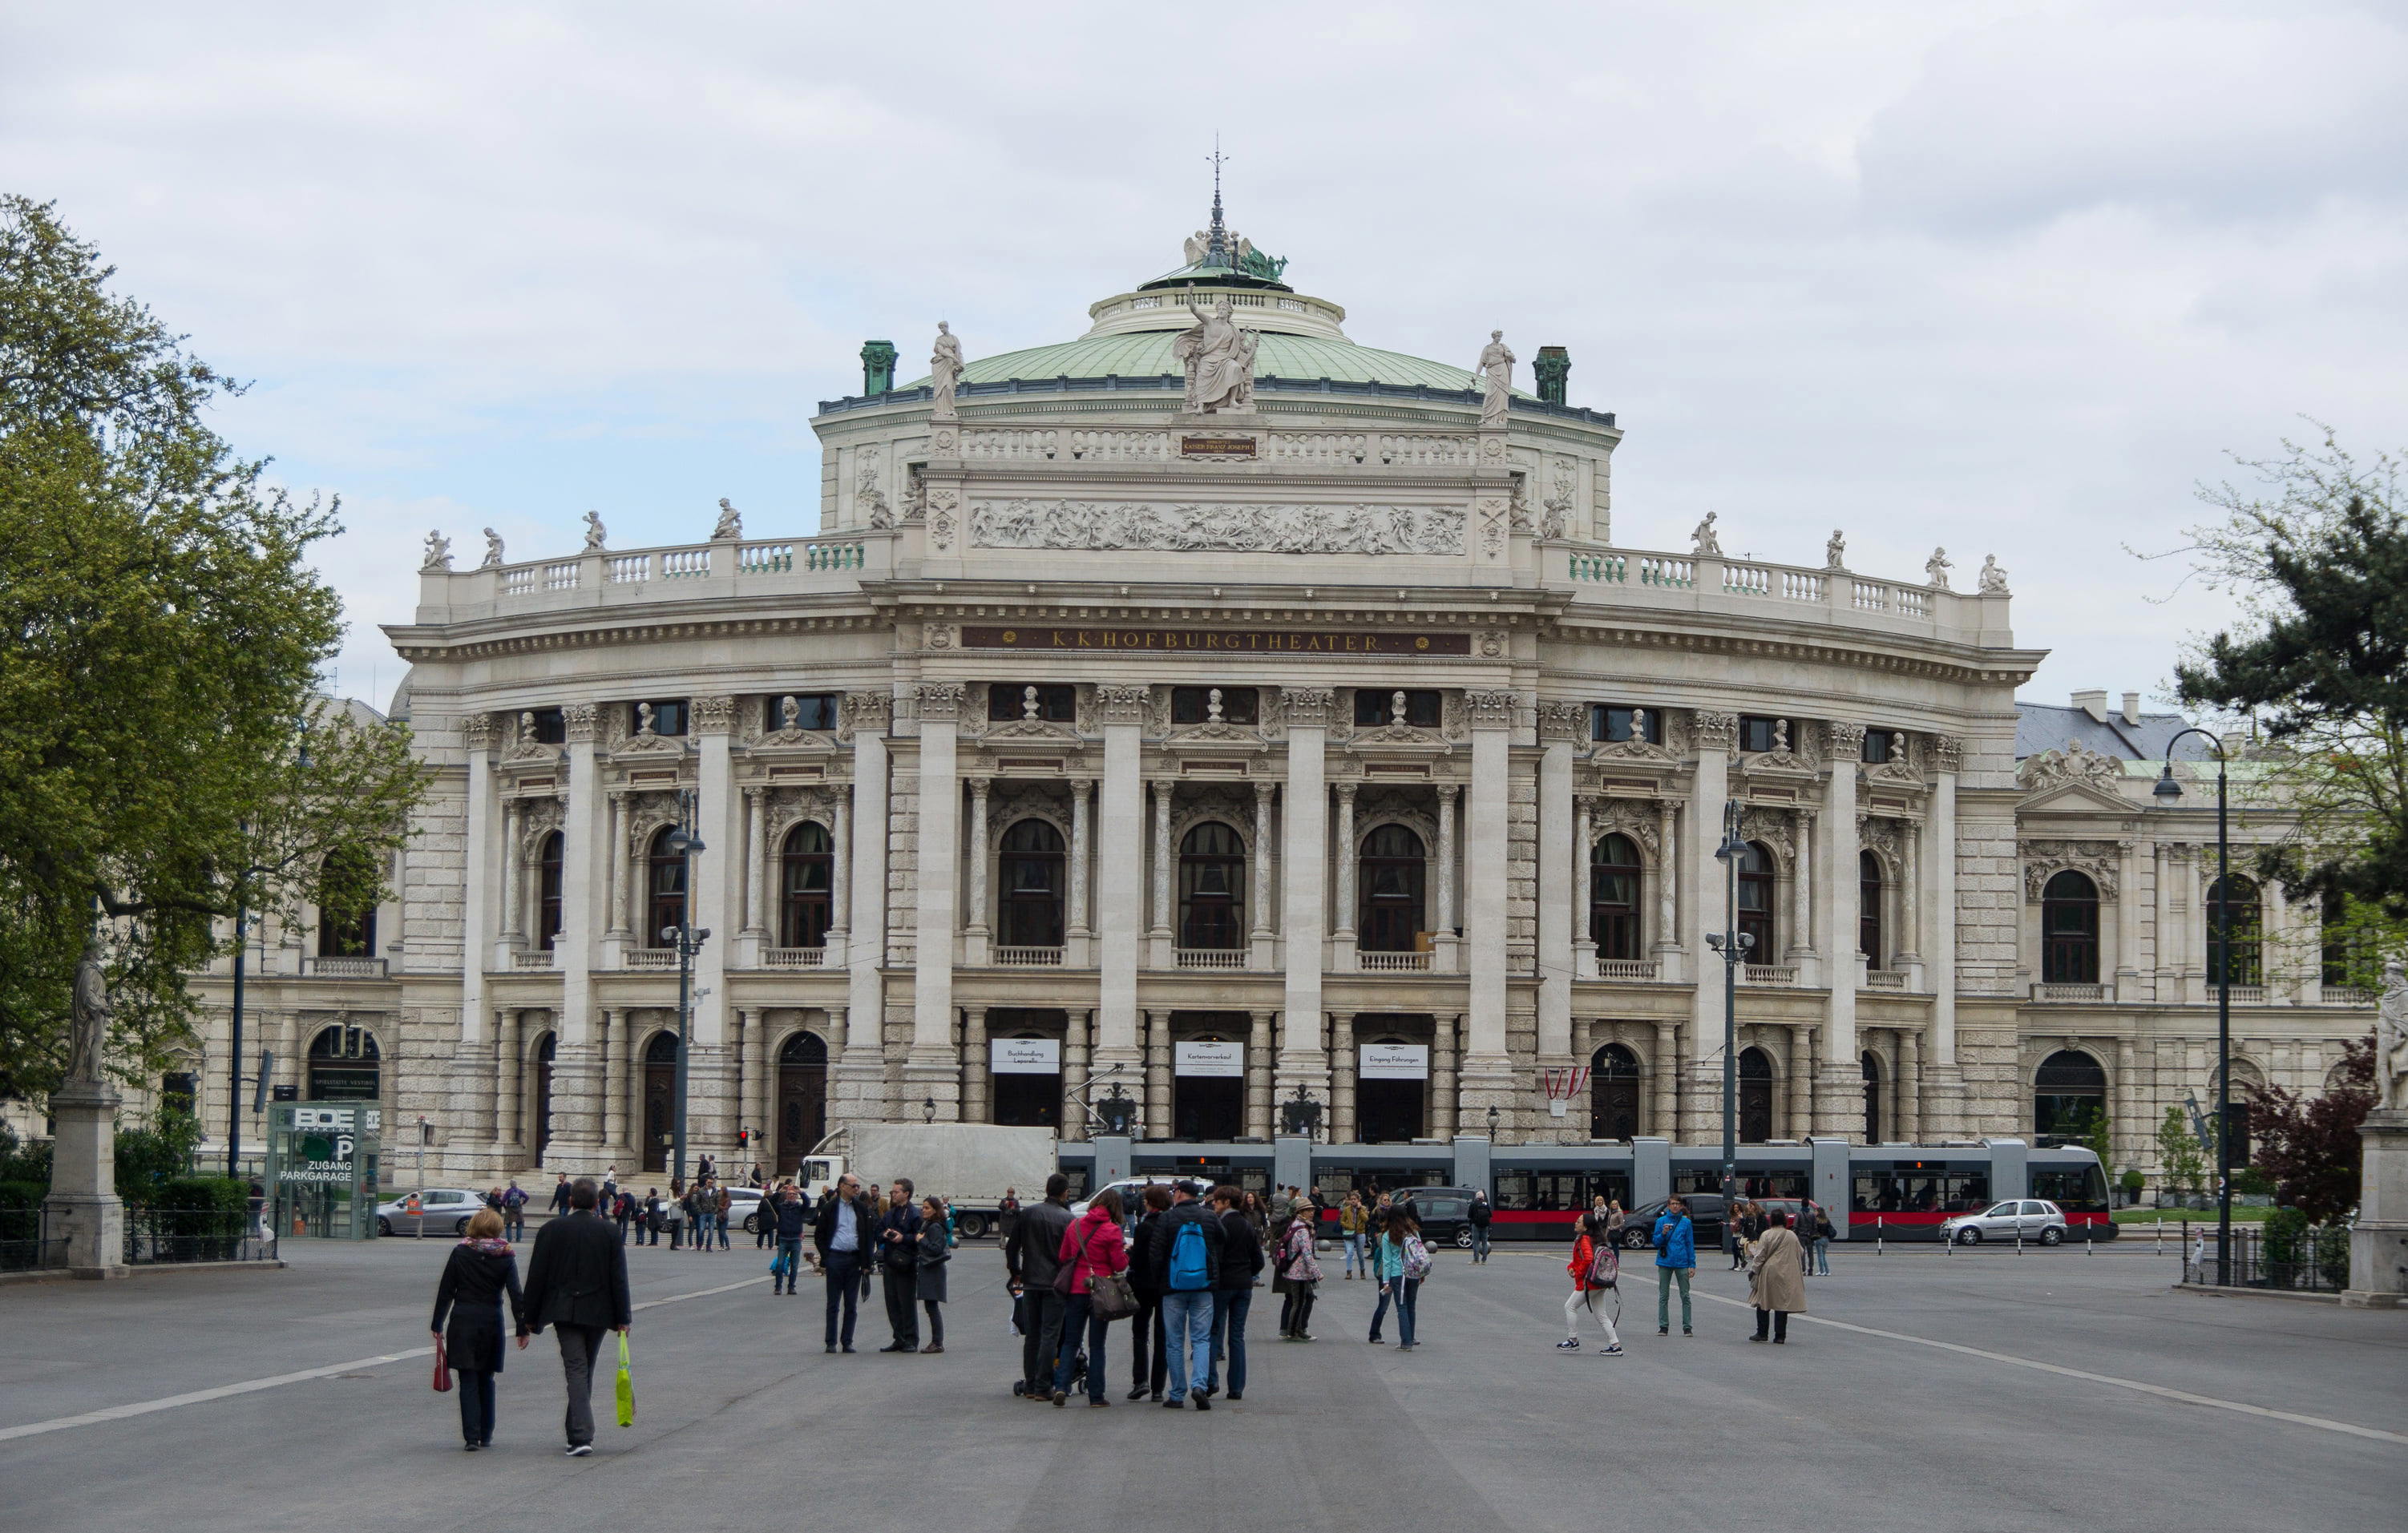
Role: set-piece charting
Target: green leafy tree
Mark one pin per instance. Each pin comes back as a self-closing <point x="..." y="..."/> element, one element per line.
<point x="165" y="759"/>
<point x="2181" y="1163"/>
<point x="2319" y="562"/>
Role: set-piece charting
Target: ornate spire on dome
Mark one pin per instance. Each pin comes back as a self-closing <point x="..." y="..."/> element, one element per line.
<point x="1218" y="255"/>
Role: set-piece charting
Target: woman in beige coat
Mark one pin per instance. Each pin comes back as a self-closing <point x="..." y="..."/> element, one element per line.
<point x="1775" y="1284"/>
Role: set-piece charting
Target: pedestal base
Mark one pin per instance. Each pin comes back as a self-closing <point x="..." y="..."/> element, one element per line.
<point x="83" y="1220"/>
<point x="2378" y="1244"/>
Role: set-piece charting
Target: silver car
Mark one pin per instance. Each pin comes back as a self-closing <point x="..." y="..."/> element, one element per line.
<point x="442" y="1211"/>
<point x="2028" y="1218"/>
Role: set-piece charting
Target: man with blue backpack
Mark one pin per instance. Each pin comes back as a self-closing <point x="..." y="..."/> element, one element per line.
<point x="1676" y="1260"/>
<point x="1184" y="1263"/>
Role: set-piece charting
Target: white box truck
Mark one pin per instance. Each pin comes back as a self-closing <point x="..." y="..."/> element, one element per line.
<point x="970" y="1165"/>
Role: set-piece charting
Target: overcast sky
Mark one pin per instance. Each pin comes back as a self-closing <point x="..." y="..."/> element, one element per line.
<point x="2009" y="277"/>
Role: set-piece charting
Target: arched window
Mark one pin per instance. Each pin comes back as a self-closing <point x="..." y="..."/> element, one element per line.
<point x="2069" y="1094"/>
<point x="344" y="1066"/>
<point x="1756" y="888"/>
<point x="1212" y="887"/>
<point x="547" y="890"/>
<point x="2240" y="911"/>
<point x="1031" y="868"/>
<point x="2069" y="930"/>
<point x="346" y="905"/>
<point x="1390" y="920"/>
<point x="1871" y="1063"/>
<point x="802" y="1099"/>
<point x="805" y="873"/>
<point x="665" y="890"/>
<point x="1614" y="896"/>
<point x="1754" y="1096"/>
<point x="659" y="1111"/>
<point x="1868" y="907"/>
<point x="1614" y="1093"/>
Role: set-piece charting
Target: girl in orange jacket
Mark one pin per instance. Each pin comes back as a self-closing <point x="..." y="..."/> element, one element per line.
<point x="1596" y="1270"/>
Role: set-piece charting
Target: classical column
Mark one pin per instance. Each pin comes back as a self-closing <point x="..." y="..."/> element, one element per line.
<point x="841" y="872"/>
<point x="761" y="1086"/>
<point x="614" y="1079"/>
<point x="1583" y="888"/>
<point x="585" y="853"/>
<point x="980" y="787"/>
<point x="2129" y="1130"/>
<point x="1120" y="879"/>
<point x="1258" y="1074"/>
<point x="1260" y="872"/>
<point x="1668" y="934"/>
<point x="857" y="1076"/>
<point x="1838" y="859"/>
<point x="1801" y="1079"/>
<point x="1342" y="907"/>
<point x="1909" y="956"/>
<point x="512" y="931"/>
<point x="718" y="880"/>
<point x="1304" y="860"/>
<point x="1910" y="1085"/>
<point x="1157" y="1075"/>
<point x="1344" y="1078"/>
<point x="1559" y="852"/>
<point x="975" y="1081"/>
<point x="934" y="1069"/>
<point x="1163" y="864"/>
<point x="1487" y="1070"/>
<point x="1081" y="788"/>
<point x="618" y="864"/>
<point x="756" y="863"/>
<point x="506" y="1084"/>
<point x="1447" y="944"/>
<point x="1077" y="1028"/>
<point x="2128" y="922"/>
<point x="2161" y="936"/>
<point x="1810" y="932"/>
<point x="1665" y="1071"/>
<point x="1947" y="754"/>
<point x="1702" y="899"/>
<point x="1444" y="1081"/>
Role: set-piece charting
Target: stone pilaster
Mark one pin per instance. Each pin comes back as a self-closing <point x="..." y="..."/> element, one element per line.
<point x="1120" y="876"/>
<point x="1304" y="862"/>
<point x="1487" y="1068"/>
<point x="1836" y="859"/>
<point x="932" y="1059"/>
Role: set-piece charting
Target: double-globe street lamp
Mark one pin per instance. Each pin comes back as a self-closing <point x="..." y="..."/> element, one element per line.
<point x="1733" y="944"/>
<point x="687" y="938"/>
<point x="2170" y="790"/>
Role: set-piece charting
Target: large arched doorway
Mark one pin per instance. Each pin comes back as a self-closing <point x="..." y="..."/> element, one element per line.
<point x="540" y="1109"/>
<point x="659" y="1115"/>
<point x="1614" y="1093"/>
<point x="1754" y="1096"/>
<point x="802" y="1099"/>
<point x="1392" y="870"/>
<point x="1392" y="1082"/>
<point x="344" y="1066"/>
<point x="1208" y="1080"/>
<point x="1872" y="1069"/>
<point x="2069" y="1094"/>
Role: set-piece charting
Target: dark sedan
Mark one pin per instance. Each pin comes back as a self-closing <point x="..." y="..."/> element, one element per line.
<point x="1705" y="1212"/>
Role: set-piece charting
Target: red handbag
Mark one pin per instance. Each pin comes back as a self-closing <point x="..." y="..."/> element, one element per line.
<point x="442" y="1369"/>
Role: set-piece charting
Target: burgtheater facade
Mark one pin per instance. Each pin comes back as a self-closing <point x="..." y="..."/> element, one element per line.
<point x="1211" y="710"/>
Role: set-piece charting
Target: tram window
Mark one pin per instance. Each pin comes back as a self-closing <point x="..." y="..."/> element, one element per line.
<point x="1513" y="1190"/>
<point x="1772" y="1184"/>
<point x="1920" y="1190"/>
<point x="2076" y="1189"/>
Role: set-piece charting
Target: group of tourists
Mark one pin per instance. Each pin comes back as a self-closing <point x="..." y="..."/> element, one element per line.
<point x="1811" y="1226"/>
<point x="1775" y="1259"/>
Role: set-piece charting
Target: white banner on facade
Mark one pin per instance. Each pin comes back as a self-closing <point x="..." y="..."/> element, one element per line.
<point x="1393" y="1062"/>
<point x="1025" y="1055"/>
<point x="1216" y="1059"/>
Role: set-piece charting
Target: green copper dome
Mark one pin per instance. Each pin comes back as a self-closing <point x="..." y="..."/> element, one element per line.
<point x="1146" y="354"/>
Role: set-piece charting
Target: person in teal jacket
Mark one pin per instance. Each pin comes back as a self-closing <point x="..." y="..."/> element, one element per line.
<point x="1676" y="1261"/>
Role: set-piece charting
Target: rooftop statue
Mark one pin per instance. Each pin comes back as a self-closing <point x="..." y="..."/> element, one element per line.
<point x="945" y="368"/>
<point x="1496" y="366"/>
<point x="731" y="522"/>
<point x="1705" y="542"/>
<point x="1219" y="358"/>
<point x="593" y="531"/>
<point x="1936" y="569"/>
<point x="1994" y="580"/>
<point x="439" y="553"/>
<point x="492" y="550"/>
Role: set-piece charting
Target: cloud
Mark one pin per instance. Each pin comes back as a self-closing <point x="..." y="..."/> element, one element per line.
<point x="2006" y="276"/>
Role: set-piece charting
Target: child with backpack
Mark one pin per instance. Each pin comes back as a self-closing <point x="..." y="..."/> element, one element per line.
<point x="1595" y="1267"/>
<point x="1402" y="1260"/>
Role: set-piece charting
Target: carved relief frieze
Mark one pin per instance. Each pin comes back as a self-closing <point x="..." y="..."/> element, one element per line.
<point x="1214" y="528"/>
<point x="1640" y="820"/>
<point x="2102" y="861"/>
<point x="2075" y="765"/>
<point x="1777" y="829"/>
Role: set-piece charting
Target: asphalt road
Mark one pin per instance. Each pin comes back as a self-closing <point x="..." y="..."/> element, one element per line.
<point x="2148" y="1411"/>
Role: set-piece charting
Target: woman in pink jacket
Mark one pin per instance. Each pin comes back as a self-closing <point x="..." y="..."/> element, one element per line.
<point x="1091" y="1246"/>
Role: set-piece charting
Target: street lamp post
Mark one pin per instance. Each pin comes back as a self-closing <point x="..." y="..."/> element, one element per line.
<point x="688" y="939"/>
<point x="2170" y="790"/>
<point x="1732" y="944"/>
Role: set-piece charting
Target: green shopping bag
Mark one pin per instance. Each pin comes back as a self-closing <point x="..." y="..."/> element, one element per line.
<point x="626" y="1386"/>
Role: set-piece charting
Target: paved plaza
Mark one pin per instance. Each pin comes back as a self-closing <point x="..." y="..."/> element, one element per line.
<point x="2148" y="1409"/>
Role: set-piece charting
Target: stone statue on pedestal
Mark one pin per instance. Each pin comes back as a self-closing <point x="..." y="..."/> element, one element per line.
<point x="492" y="550"/>
<point x="1219" y="358"/>
<point x="730" y="526"/>
<point x="1835" y="553"/>
<point x="88" y="1027"/>
<point x="1496" y="370"/>
<point x="1704" y="542"/>
<point x="594" y="535"/>
<point x="2391" y="1041"/>
<point x="439" y="553"/>
<point x="945" y="368"/>
<point x="1993" y="579"/>
<point x="1935" y="569"/>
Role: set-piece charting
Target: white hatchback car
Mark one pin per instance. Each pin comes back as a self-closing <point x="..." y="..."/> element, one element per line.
<point x="442" y="1211"/>
<point x="2028" y="1218"/>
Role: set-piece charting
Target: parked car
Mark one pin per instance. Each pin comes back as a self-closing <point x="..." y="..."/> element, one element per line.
<point x="1705" y="1212"/>
<point x="743" y="1204"/>
<point x="1445" y="1213"/>
<point x="1132" y="1188"/>
<point x="442" y="1210"/>
<point x="2031" y="1218"/>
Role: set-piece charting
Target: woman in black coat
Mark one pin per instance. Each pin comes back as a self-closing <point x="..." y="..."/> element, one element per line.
<point x="936" y="1250"/>
<point x="480" y="1271"/>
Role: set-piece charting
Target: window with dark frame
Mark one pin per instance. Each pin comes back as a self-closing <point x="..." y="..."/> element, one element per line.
<point x="665" y="891"/>
<point x="1875" y="752"/>
<point x="1056" y="703"/>
<point x="1757" y="883"/>
<point x="1613" y="898"/>
<point x="669" y="716"/>
<point x="1614" y="723"/>
<point x="179" y="1090"/>
<point x="1374" y="707"/>
<point x="1759" y="733"/>
<point x="805" y="879"/>
<point x="1212" y="887"/>
<point x="812" y="710"/>
<point x="1031" y="863"/>
<point x="548" y="863"/>
<point x="2069" y="929"/>
<point x="1868" y="907"/>
<point x="2243" y="919"/>
<point x="551" y="727"/>
<point x="344" y="932"/>
<point x="1194" y="705"/>
<point x="1391" y="877"/>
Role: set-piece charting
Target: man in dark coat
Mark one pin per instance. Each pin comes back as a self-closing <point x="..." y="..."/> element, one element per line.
<point x="1032" y="1256"/>
<point x="899" y="1254"/>
<point x="843" y="1234"/>
<point x="576" y="1283"/>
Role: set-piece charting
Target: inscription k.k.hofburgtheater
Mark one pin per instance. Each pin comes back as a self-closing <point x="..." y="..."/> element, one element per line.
<point x="1216" y="641"/>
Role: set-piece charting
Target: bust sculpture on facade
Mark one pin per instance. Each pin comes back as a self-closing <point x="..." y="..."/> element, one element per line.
<point x="1496" y="370"/>
<point x="945" y="368"/>
<point x="594" y="535"/>
<point x="1219" y="359"/>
